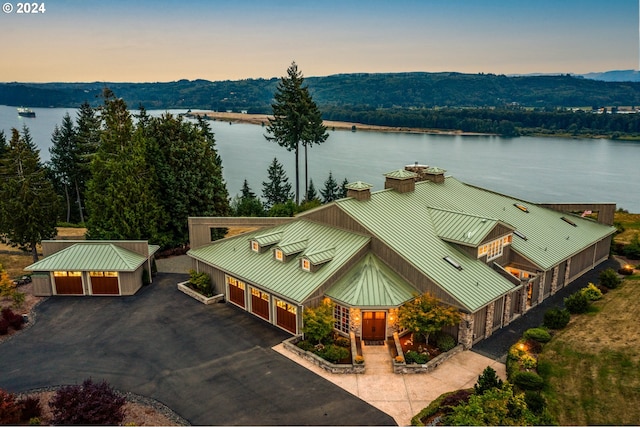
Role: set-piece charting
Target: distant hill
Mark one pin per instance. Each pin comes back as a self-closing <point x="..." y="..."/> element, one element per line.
<point x="615" y="76"/>
<point x="353" y="91"/>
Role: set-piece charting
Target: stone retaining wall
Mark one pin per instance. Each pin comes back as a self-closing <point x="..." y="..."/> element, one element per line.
<point x="195" y="295"/>
<point x="403" y="368"/>
<point x="353" y="368"/>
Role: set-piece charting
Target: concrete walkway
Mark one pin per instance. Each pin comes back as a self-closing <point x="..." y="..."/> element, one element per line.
<point x="403" y="395"/>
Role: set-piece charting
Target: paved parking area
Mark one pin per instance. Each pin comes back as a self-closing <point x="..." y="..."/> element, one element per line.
<point x="213" y="365"/>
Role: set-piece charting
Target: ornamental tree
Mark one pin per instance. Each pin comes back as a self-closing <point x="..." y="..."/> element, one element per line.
<point x="318" y="322"/>
<point x="425" y="315"/>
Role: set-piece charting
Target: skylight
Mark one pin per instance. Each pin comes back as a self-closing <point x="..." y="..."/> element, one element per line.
<point x="453" y="262"/>
<point x="568" y="221"/>
<point x="520" y="235"/>
<point x="523" y="208"/>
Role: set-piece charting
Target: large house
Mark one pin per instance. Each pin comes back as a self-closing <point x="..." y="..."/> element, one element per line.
<point x="490" y="255"/>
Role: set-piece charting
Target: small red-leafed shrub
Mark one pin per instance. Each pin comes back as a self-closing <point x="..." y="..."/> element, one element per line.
<point x="30" y="408"/>
<point x="85" y="404"/>
<point x="9" y="409"/>
<point x="4" y="327"/>
<point x="14" y="320"/>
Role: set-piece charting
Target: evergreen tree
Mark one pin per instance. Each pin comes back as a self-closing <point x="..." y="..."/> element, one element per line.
<point x="187" y="177"/>
<point x="296" y="118"/>
<point x="29" y="204"/>
<point x="247" y="204"/>
<point x="343" y="189"/>
<point x="120" y="199"/>
<point x="331" y="189"/>
<point x="312" y="194"/>
<point x="4" y="147"/>
<point x="276" y="190"/>
<point x="63" y="161"/>
<point x="314" y="133"/>
<point x="87" y="141"/>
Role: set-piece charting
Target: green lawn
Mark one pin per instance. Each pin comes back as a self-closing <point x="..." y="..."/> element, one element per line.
<point x="593" y="365"/>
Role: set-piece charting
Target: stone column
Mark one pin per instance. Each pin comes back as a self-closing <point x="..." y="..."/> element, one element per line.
<point x="506" y="319"/>
<point x="541" y="277"/>
<point x="465" y="331"/>
<point x="554" y="280"/>
<point x="567" y="272"/>
<point x="488" y="324"/>
<point x="524" y="295"/>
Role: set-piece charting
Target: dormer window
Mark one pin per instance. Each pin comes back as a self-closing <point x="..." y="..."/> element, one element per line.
<point x="305" y="264"/>
<point x="279" y="255"/>
<point x="255" y="246"/>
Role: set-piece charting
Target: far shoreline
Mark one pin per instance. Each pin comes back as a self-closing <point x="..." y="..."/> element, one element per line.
<point x="263" y="120"/>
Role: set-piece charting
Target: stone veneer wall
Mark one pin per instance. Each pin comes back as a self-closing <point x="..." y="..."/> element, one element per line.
<point x="403" y="368"/>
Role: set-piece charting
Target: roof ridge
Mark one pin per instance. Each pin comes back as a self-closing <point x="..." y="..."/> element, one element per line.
<point x="117" y="251"/>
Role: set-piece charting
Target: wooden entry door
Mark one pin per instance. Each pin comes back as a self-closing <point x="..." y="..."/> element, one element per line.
<point x="374" y="325"/>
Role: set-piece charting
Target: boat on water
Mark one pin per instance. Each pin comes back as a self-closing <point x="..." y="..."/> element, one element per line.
<point x="26" y="112"/>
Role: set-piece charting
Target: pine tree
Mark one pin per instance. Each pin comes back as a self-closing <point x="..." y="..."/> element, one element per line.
<point x="277" y="189"/>
<point x="120" y="199"/>
<point x="63" y="161"/>
<point x="247" y="204"/>
<point x="296" y="119"/>
<point x="87" y="142"/>
<point x="29" y="207"/>
<point x="331" y="189"/>
<point x="312" y="194"/>
<point x="187" y="177"/>
<point x="343" y="189"/>
<point x="315" y="133"/>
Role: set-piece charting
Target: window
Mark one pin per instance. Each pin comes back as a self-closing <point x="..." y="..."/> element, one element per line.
<point x="255" y="247"/>
<point x="67" y="273"/>
<point x="494" y="249"/>
<point x="305" y="264"/>
<point x="279" y="255"/>
<point x="235" y="282"/>
<point x="507" y="239"/>
<point x="59" y="274"/>
<point x="341" y="315"/>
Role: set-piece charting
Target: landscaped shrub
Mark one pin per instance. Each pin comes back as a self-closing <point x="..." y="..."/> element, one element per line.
<point x="458" y="397"/>
<point x="413" y="357"/>
<point x="609" y="278"/>
<point x="577" y="303"/>
<point x="9" y="409"/>
<point x="343" y="342"/>
<point x="445" y="342"/>
<point x="88" y="403"/>
<point x="591" y="292"/>
<point x="554" y="318"/>
<point x="201" y="282"/>
<point x="632" y="250"/>
<point x="333" y="353"/>
<point x="487" y="380"/>
<point x="535" y="402"/>
<point x="528" y="380"/>
<point x="305" y="345"/>
<point x="4" y="327"/>
<point x="533" y="346"/>
<point x="537" y="334"/>
<point x="30" y="408"/>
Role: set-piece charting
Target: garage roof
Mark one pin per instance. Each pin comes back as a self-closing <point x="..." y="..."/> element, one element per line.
<point x="91" y="257"/>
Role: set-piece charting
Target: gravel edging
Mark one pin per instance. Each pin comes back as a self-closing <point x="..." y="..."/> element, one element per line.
<point x="32" y="315"/>
<point x="130" y="397"/>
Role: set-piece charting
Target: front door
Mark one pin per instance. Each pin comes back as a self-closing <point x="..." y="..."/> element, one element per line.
<point x="374" y="325"/>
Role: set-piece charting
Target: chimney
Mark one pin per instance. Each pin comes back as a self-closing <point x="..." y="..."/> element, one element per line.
<point x="359" y="190"/>
<point x="426" y="173"/>
<point x="401" y="180"/>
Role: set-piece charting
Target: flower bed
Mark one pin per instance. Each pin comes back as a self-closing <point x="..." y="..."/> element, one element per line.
<point x="184" y="287"/>
<point x="400" y="365"/>
<point x="356" y="366"/>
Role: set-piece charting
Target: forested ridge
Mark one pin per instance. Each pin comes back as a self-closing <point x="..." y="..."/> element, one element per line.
<point x="468" y="102"/>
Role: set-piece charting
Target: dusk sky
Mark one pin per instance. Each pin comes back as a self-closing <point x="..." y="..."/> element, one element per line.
<point x="162" y="40"/>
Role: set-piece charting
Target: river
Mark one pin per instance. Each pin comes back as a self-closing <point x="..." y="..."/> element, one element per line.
<point x="534" y="169"/>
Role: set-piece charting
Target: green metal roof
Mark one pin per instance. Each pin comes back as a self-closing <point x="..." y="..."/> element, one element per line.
<point x="90" y="257"/>
<point x="233" y="255"/>
<point x="405" y="222"/>
<point x="401" y="174"/>
<point x="371" y="283"/>
<point x="358" y="186"/>
<point x="321" y="256"/>
<point x="294" y="246"/>
<point x="461" y="227"/>
<point x="397" y="220"/>
<point x="268" y="239"/>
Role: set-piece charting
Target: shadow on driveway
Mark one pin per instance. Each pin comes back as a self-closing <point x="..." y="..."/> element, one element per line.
<point x="213" y="365"/>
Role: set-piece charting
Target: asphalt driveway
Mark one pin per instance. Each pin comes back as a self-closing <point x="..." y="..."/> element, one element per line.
<point x="213" y="365"/>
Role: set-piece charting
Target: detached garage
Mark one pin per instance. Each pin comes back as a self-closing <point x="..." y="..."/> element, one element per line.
<point x="89" y="267"/>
